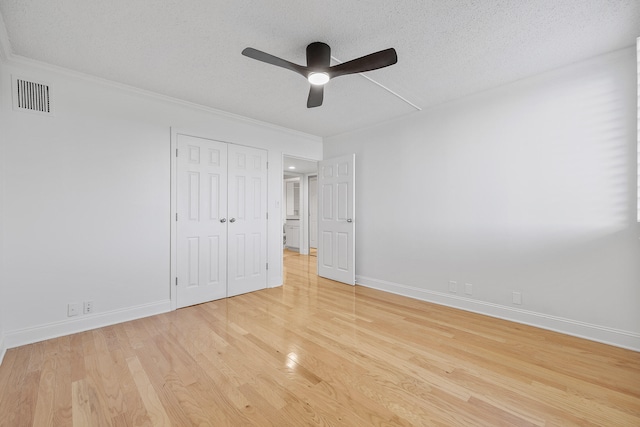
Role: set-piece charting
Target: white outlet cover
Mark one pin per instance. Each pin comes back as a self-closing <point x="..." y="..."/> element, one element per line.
<point x="468" y="288"/>
<point x="517" y="298"/>
<point x="88" y="307"/>
<point x="73" y="309"/>
<point x="453" y="286"/>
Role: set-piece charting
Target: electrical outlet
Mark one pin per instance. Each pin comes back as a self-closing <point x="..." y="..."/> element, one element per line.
<point x="73" y="309"/>
<point x="468" y="288"/>
<point x="453" y="286"/>
<point x="88" y="307"/>
<point x="516" y="298"/>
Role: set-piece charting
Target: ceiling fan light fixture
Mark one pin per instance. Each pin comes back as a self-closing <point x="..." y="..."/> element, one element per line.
<point x="318" y="79"/>
<point x="319" y="70"/>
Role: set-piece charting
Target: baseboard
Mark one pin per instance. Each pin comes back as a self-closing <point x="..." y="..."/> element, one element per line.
<point x="83" y="323"/>
<point x="603" y="334"/>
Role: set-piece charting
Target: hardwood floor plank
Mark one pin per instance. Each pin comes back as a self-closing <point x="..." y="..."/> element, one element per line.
<point x="162" y="383"/>
<point x="28" y="397"/>
<point x="134" y="337"/>
<point x="62" y="415"/>
<point x="126" y="347"/>
<point x="84" y="406"/>
<point x="272" y="415"/>
<point x="101" y="371"/>
<point x="133" y="413"/>
<point x="44" y="408"/>
<point x="78" y="370"/>
<point x="179" y="360"/>
<point x="16" y="379"/>
<point x="155" y="409"/>
<point x="36" y="357"/>
<point x="6" y="371"/>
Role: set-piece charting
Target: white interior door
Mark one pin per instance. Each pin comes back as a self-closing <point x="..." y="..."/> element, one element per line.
<point x="201" y="228"/>
<point x="247" y="213"/>
<point x="336" y="228"/>
<point x="313" y="212"/>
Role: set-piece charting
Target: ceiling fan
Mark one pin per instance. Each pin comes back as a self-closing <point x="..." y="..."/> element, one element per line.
<point x="319" y="70"/>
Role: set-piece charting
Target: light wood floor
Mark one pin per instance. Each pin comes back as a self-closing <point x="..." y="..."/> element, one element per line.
<point x="315" y="352"/>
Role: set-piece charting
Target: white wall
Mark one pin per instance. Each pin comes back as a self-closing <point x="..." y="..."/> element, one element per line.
<point x="530" y="187"/>
<point x="87" y="200"/>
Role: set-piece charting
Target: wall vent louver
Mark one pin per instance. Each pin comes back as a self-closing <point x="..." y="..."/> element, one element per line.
<point x="31" y="96"/>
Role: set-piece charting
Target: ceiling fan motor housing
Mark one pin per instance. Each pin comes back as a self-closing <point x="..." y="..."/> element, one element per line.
<point x="318" y="56"/>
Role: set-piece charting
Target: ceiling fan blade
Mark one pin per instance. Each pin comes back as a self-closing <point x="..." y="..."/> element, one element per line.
<point x="316" y="94"/>
<point x="373" y="61"/>
<point x="274" y="60"/>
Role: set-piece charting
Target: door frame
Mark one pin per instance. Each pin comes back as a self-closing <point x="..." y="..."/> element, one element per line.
<point x="304" y="202"/>
<point x="308" y="202"/>
<point x="173" y="238"/>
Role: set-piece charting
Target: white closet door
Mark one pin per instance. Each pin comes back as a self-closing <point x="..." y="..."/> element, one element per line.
<point x="201" y="226"/>
<point x="247" y="214"/>
<point x="336" y="228"/>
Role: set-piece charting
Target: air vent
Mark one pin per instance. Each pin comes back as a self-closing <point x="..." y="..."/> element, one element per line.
<point x="31" y="96"/>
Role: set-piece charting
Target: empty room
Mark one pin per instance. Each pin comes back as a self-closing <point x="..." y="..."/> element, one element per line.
<point x="305" y="213"/>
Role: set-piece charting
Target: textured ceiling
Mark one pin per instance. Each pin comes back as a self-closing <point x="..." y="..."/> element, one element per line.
<point x="191" y="49"/>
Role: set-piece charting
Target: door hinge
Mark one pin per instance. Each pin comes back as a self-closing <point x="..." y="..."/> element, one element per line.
<point x="176" y="152"/>
<point x="267" y="215"/>
<point x="267" y="266"/>
<point x="176" y="216"/>
<point x="267" y="165"/>
<point x="176" y="281"/>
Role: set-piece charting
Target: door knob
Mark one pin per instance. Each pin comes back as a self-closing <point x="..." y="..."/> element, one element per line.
<point x="223" y="220"/>
<point x="349" y="220"/>
<point x="232" y="220"/>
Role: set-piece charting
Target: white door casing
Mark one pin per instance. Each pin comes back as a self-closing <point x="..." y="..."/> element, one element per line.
<point x="247" y="226"/>
<point x="336" y="226"/>
<point x="313" y="211"/>
<point x="201" y="227"/>
<point x="221" y="224"/>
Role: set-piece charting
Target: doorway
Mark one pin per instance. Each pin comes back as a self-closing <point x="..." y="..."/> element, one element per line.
<point x="335" y="209"/>
<point x="300" y="205"/>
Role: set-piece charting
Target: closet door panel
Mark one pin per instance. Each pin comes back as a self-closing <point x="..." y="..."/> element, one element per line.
<point x="201" y="229"/>
<point x="247" y="219"/>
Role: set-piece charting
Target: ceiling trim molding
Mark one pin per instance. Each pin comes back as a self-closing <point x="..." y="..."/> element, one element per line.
<point x="5" y="46"/>
<point x="27" y="62"/>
